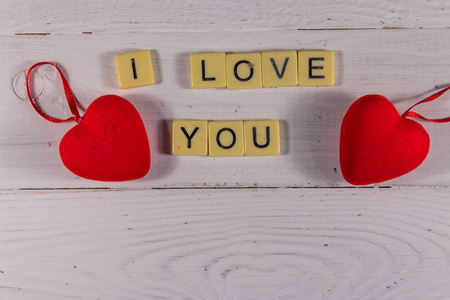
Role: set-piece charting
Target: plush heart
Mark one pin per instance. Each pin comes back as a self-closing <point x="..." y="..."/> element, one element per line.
<point x="377" y="144"/>
<point x="109" y="144"/>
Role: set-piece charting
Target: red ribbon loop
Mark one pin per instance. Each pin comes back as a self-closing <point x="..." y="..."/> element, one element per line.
<point x="433" y="97"/>
<point x="69" y="96"/>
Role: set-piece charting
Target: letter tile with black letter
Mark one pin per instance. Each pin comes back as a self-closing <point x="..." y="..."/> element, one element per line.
<point x="316" y="68"/>
<point x="226" y="138"/>
<point x="243" y="70"/>
<point x="279" y="68"/>
<point x="262" y="137"/>
<point x="135" y="69"/>
<point x="208" y="70"/>
<point x="190" y="137"/>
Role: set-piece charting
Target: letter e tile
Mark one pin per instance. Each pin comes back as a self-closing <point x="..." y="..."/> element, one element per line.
<point x="316" y="68"/>
<point x="244" y="71"/>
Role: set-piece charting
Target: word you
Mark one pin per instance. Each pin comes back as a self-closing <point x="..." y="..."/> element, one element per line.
<point x="226" y="138"/>
<point x="264" y="69"/>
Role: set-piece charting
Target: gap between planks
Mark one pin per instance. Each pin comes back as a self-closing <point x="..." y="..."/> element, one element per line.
<point x="299" y="29"/>
<point x="99" y="189"/>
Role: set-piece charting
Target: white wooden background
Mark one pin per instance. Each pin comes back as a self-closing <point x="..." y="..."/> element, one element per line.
<point x="282" y="227"/>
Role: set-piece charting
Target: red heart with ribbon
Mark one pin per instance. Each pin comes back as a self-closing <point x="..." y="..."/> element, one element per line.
<point x="109" y="143"/>
<point x="377" y="144"/>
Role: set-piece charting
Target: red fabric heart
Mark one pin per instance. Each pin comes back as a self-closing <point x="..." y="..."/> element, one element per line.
<point x="377" y="144"/>
<point x="110" y="142"/>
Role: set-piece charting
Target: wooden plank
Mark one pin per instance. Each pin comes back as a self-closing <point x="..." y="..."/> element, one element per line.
<point x="199" y="234"/>
<point x="225" y="244"/>
<point x="404" y="65"/>
<point x="25" y="17"/>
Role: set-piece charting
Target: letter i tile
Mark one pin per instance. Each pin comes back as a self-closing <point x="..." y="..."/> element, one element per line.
<point x="316" y="68"/>
<point x="135" y="69"/>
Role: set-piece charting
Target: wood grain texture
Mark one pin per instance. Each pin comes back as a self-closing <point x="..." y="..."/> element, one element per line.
<point x="192" y="229"/>
<point x="404" y="65"/>
<point x="24" y="17"/>
<point x="225" y="244"/>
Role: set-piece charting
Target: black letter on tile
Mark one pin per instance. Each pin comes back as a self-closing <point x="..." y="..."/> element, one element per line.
<point x="279" y="75"/>
<point x="133" y="65"/>
<point x="255" y="139"/>
<point x="218" y="138"/>
<point x="249" y="64"/>
<point x="204" y="78"/>
<point x="189" y="137"/>
<point x="311" y="67"/>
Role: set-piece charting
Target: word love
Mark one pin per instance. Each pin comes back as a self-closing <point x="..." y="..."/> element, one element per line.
<point x="225" y="138"/>
<point x="236" y="70"/>
<point x="265" y="69"/>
